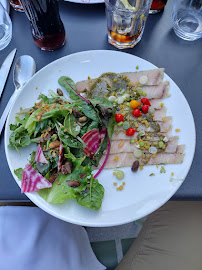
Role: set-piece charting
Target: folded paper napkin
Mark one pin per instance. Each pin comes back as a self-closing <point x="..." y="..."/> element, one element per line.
<point x="5" y="4"/>
<point x="32" y="239"/>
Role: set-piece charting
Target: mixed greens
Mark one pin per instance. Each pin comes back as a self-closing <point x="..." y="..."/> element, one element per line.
<point x="71" y="137"/>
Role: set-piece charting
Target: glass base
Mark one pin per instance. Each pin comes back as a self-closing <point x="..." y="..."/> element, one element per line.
<point x="155" y="11"/>
<point x="186" y="36"/>
<point x="121" y="45"/>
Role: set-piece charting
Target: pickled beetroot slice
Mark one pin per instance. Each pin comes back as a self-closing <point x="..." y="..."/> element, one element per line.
<point x="108" y="151"/>
<point x="92" y="141"/>
<point x="103" y="133"/>
<point x="60" y="156"/>
<point x="39" y="156"/>
<point x="32" y="180"/>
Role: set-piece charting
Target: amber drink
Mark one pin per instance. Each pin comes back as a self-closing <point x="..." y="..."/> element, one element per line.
<point x="126" y="22"/>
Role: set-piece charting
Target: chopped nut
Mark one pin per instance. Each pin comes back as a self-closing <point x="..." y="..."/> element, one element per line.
<point x="121" y="144"/>
<point x="82" y="175"/>
<point x="82" y="119"/>
<point x="54" y="144"/>
<point x="116" y="158"/>
<point x="59" y="91"/>
<point x="73" y="184"/>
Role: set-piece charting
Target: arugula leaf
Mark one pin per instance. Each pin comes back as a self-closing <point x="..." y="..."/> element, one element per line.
<point x="70" y="123"/>
<point x="18" y="173"/>
<point x="42" y="125"/>
<point x="63" y="82"/>
<point x="13" y="127"/>
<point x="93" y="198"/>
<point x="48" y="100"/>
<point x="19" y="138"/>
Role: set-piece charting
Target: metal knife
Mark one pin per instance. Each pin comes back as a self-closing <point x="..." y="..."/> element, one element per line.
<point x="5" y="68"/>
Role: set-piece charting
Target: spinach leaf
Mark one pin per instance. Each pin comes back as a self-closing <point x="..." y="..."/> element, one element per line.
<point x="100" y="151"/>
<point x="18" y="173"/>
<point x="90" y="112"/>
<point x="93" y="124"/>
<point x="69" y="140"/>
<point x="65" y="82"/>
<point x="93" y="197"/>
<point x="110" y="126"/>
<point x="19" y="138"/>
<point x="70" y="123"/>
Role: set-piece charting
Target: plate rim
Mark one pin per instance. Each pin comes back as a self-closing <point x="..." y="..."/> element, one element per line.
<point x="34" y="199"/>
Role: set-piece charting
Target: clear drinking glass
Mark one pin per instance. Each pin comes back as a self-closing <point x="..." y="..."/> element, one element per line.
<point x="187" y="19"/>
<point x="126" y="21"/>
<point x="5" y="28"/>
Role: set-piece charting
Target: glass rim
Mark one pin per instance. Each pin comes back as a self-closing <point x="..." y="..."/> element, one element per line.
<point x="127" y="11"/>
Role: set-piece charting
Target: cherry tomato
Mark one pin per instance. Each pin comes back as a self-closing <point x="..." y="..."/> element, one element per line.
<point x="137" y="113"/>
<point x="119" y="117"/>
<point x="145" y="109"/>
<point x="145" y="101"/>
<point x="134" y="104"/>
<point x="130" y="132"/>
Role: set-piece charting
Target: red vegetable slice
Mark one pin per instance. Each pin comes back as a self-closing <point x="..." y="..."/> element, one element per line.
<point x="60" y="156"/>
<point x="32" y="180"/>
<point x="103" y="133"/>
<point x="107" y="155"/>
<point x="39" y="156"/>
<point x="92" y="140"/>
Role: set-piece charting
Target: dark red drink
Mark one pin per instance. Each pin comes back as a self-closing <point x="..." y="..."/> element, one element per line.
<point x="47" y="28"/>
<point x="157" y="6"/>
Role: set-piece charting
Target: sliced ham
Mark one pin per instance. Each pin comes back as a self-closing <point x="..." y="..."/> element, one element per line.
<point x="127" y="159"/>
<point x="154" y="76"/>
<point x="39" y="156"/>
<point x="157" y="91"/>
<point x="32" y="180"/>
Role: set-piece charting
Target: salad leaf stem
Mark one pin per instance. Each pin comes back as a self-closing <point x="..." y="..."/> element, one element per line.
<point x="108" y="150"/>
<point x="78" y="93"/>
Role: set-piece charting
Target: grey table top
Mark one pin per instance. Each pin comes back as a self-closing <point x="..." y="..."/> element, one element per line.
<point x="86" y="30"/>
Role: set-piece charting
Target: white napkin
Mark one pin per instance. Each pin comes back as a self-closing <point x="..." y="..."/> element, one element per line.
<point x="5" y="4"/>
<point x="31" y="239"/>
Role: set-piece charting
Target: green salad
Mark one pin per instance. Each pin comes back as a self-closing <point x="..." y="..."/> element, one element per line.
<point x="71" y="136"/>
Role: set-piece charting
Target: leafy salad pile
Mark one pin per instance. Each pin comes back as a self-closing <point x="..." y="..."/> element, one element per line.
<point x="71" y="136"/>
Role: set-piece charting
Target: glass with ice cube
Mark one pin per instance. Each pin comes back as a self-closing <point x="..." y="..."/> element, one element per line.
<point x="126" y="21"/>
<point x="187" y="19"/>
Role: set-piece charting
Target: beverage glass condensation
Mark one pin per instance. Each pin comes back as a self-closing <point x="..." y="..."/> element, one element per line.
<point x="187" y="19"/>
<point x="126" y="21"/>
<point x="157" y="6"/>
<point x="16" y="5"/>
<point x="46" y="25"/>
<point x="5" y="28"/>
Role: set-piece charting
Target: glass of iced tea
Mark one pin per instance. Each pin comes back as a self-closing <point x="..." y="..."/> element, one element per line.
<point x="126" y="21"/>
<point x="157" y="6"/>
<point x="46" y="25"/>
<point x="16" y="5"/>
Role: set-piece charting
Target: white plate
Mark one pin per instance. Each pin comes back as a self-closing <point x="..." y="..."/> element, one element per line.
<point x="142" y="193"/>
<point x="86" y="1"/>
